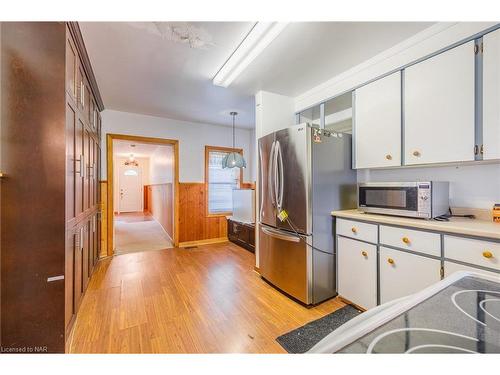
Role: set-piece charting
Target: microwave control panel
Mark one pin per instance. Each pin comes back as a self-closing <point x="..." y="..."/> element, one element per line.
<point x="424" y="200"/>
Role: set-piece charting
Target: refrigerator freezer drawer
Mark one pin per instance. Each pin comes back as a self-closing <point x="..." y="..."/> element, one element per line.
<point x="285" y="261"/>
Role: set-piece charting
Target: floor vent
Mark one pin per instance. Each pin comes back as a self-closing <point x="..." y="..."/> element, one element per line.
<point x="190" y="247"/>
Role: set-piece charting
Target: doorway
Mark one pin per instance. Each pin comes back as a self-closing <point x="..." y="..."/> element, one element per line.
<point x="142" y="191"/>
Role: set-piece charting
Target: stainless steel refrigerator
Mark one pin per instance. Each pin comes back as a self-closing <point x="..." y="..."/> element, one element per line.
<point x="305" y="172"/>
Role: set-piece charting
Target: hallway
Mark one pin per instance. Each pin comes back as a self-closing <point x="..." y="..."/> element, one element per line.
<point x="137" y="231"/>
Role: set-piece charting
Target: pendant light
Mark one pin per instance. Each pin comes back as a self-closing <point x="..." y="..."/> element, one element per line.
<point x="233" y="159"/>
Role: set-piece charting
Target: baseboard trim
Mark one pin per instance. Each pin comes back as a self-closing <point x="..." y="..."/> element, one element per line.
<point x="203" y="242"/>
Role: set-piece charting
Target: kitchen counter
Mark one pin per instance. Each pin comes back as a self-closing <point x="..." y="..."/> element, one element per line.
<point x="465" y="226"/>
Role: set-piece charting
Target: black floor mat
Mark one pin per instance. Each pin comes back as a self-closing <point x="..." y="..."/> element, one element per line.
<point x="302" y="339"/>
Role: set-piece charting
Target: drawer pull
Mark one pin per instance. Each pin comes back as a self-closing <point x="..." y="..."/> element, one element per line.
<point x="354" y="230"/>
<point x="416" y="153"/>
<point x="364" y="253"/>
<point x="487" y="254"/>
<point x="406" y="240"/>
<point x="390" y="260"/>
<point x="388" y="157"/>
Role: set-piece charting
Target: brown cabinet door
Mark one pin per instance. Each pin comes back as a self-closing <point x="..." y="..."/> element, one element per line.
<point x="80" y="87"/>
<point x="85" y="256"/>
<point x="79" y="166"/>
<point x="91" y="154"/>
<point x="71" y="67"/>
<point x="78" y="270"/>
<point x="86" y="185"/>
<point x="71" y="163"/>
<point x="69" y="278"/>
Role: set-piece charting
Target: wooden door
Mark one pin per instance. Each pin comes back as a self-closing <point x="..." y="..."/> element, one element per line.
<point x="357" y="272"/>
<point x="439" y="108"/>
<point x="491" y="96"/>
<point x="402" y="274"/>
<point x="377" y="129"/>
<point x="80" y="88"/>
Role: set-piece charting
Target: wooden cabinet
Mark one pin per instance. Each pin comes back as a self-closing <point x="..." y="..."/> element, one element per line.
<point x="357" y="272"/>
<point x="242" y="234"/>
<point x="491" y="96"/>
<point x="402" y="274"/>
<point x="377" y="123"/>
<point x="439" y="108"/>
<point x="49" y="199"/>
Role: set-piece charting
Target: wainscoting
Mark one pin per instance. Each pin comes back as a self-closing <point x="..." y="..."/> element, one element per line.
<point x="194" y="225"/>
<point x="160" y="204"/>
<point x="103" y="186"/>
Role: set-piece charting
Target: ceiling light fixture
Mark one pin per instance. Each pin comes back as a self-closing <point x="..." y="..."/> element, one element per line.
<point x="131" y="161"/>
<point x="261" y="35"/>
<point x="233" y="159"/>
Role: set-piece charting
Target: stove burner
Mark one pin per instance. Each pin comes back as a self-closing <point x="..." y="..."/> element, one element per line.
<point x="481" y="303"/>
<point x="429" y="336"/>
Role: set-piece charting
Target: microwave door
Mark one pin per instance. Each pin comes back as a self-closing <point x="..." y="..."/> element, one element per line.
<point x="266" y="208"/>
<point x="392" y="200"/>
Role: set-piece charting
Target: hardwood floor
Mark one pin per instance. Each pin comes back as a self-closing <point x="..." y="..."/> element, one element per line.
<point x="202" y="300"/>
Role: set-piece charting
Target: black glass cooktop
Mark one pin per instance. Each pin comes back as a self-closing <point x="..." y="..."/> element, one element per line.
<point x="462" y="318"/>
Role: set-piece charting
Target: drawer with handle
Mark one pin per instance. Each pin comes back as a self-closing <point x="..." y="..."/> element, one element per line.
<point x="414" y="240"/>
<point x="358" y="230"/>
<point x="472" y="251"/>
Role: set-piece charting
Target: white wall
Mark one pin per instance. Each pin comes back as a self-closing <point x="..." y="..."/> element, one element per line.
<point x="192" y="139"/>
<point x="272" y="112"/>
<point x="161" y="165"/>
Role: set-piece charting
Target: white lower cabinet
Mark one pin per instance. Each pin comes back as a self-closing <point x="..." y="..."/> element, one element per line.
<point x="357" y="272"/>
<point x="402" y="274"/>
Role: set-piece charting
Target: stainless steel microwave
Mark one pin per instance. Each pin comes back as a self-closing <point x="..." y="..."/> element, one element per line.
<point x="425" y="200"/>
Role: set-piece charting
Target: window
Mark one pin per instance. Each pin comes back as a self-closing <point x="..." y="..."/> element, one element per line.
<point x="130" y="172"/>
<point x="220" y="182"/>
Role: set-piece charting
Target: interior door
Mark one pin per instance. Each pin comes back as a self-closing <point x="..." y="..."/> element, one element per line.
<point x="267" y="211"/>
<point x="130" y="193"/>
<point x="293" y="170"/>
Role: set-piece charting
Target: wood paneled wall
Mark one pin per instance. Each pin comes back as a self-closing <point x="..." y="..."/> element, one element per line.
<point x="194" y="225"/>
<point x="160" y="203"/>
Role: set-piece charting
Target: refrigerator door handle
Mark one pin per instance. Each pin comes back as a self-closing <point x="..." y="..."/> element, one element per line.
<point x="281" y="178"/>
<point x="270" y="176"/>
<point x="261" y="195"/>
<point x="280" y="235"/>
<point x="276" y="178"/>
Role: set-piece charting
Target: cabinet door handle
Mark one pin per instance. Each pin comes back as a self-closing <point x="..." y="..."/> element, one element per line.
<point x="406" y="240"/>
<point x="487" y="254"/>
<point x="364" y="253"/>
<point x="354" y="230"/>
<point x="388" y="157"/>
<point x="416" y="153"/>
<point x="390" y="260"/>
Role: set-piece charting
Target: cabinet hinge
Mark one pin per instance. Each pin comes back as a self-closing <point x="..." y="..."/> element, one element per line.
<point x="481" y="150"/>
<point x="481" y="47"/>
<point x="441" y="272"/>
<point x="476" y="49"/>
<point x="476" y="149"/>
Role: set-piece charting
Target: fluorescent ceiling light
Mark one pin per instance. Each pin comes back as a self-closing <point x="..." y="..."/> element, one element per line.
<point x="261" y="35"/>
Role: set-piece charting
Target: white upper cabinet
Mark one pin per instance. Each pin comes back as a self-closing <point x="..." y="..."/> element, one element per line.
<point x="377" y="123"/>
<point x="438" y="107"/>
<point x="491" y="95"/>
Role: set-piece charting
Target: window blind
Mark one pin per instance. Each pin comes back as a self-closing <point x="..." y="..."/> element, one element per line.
<point x="221" y="183"/>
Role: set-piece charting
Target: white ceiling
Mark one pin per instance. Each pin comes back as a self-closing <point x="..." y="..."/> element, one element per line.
<point x="123" y="148"/>
<point x="140" y="71"/>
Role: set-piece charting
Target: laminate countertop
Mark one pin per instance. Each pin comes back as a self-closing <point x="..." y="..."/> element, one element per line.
<point x="458" y="225"/>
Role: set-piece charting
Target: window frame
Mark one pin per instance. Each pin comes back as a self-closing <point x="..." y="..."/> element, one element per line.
<point x="209" y="149"/>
